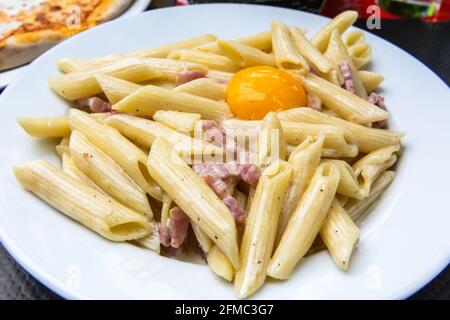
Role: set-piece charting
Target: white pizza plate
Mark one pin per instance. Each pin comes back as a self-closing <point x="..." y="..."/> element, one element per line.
<point x="404" y="243"/>
<point x="6" y="77"/>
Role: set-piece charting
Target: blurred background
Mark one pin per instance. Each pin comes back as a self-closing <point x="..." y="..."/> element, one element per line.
<point x="420" y="27"/>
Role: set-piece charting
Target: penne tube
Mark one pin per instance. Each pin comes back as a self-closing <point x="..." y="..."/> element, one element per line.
<point x="107" y="175"/>
<point x="287" y="56"/>
<point x="169" y="69"/>
<point x="337" y="140"/>
<point x="341" y="22"/>
<point x="219" y="264"/>
<point x="68" y="65"/>
<point x="342" y="199"/>
<point x="348" y="185"/>
<point x="340" y="235"/>
<point x="164" y="50"/>
<point x="63" y="147"/>
<point x="176" y="120"/>
<point x="260" y="229"/>
<point x="165" y="209"/>
<point x="350" y="38"/>
<point x="370" y="80"/>
<point x="361" y="54"/>
<point x="82" y="203"/>
<point x="204" y="87"/>
<point x="337" y="53"/>
<point x="305" y="222"/>
<point x="116" y="89"/>
<point x="367" y="139"/>
<point x="45" y="127"/>
<point x="150" y="242"/>
<point x="312" y="55"/>
<point x="357" y="209"/>
<point x="369" y="168"/>
<point x="144" y="132"/>
<point x="261" y="41"/>
<point x="244" y="55"/>
<point x="343" y="102"/>
<point x="203" y="240"/>
<point x="220" y="76"/>
<point x="211" y="60"/>
<point x="194" y="197"/>
<point x="149" y="99"/>
<point x="271" y="141"/>
<point x="83" y="84"/>
<point x="69" y="167"/>
<point x="108" y="139"/>
<point x="304" y="161"/>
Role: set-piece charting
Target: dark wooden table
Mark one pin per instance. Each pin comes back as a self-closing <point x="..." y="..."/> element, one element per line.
<point x="430" y="43"/>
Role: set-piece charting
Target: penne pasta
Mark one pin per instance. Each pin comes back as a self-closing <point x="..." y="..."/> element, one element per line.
<point x="82" y="203"/>
<point x="287" y="56"/>
<point x="357" y="209"/>
<point x="244" y="55"/>
<point x="271" y="142"/>
<point x="261" y="227"/>
<point x="305" y="222"/>
<point x="337" y="53"/>
<point x="369" y="168"/>
<point x="164" y="50"/>
<point x="348" y="185"/>
<point x="367" y="139"/>
<point x="149" y="99"/>
<point x="150" y="242"/>
<point x="69" y="167"/>
<point x="63" y="147"/>
<point x="83" y="84"/>
<point x="304" y="161"/>
<point x="45" y="127"/>
<point x="203" y="240"/>
<point x="204" y="87"/>
<point x="116" y="89"/>
<point x="116" y="146"/>
<point x="145" y="132"/>
<point x="370" y="80"/>
<point x="107" y="175"/>
<point x="176" y="120"/>
<point x="220" y="76"/>
<point x="201" y="204"/>
<point x="343" y="102"/>
<point x="340" y="235"/>
<point x="261" y="41"/>
<point x="68" y="65"/>
<point x="312" y="55"/>
<point x="170" y="69"/>
<point x="211" y="60"/>
<point x="338" y="141"/>
<point x="341" y="22"/>
<point x="361" y="54"/>
<point x="219" y="264"/>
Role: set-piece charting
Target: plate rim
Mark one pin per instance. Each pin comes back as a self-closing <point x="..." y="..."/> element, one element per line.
<point x="46" y="278"/>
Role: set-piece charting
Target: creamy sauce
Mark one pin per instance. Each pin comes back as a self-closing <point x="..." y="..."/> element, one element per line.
<point x="7" y="27"/>
<point x="13" y="7"/>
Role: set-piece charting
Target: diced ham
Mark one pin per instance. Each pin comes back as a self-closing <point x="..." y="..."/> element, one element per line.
<point x="95" y="104"/>
<point x="233" y="205"/>
<point x="378" y="100"/>
<point x="314" y="102"/>
<point x="218" y="185"/>
<point x="250" y="174"/>
<point x="346" y="72"/>
<point x="164" y="235"/>
<point x="186" y="76"/>
<point x="174" y="235"/>
<point x="178" y="227"/>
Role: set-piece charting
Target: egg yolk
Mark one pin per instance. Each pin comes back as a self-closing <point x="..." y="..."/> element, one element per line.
<point x="254" y="92"/>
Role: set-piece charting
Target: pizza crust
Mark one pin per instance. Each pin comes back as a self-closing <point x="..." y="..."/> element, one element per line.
<point x="21" y="49"/>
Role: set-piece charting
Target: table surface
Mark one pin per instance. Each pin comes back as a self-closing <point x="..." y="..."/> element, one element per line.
<point x="430" y="43"/>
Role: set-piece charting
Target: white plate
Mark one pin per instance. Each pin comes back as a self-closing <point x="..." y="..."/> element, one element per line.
<point x="404" y="243"/>
<point x="6" y="77"/>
